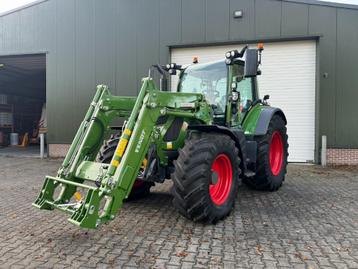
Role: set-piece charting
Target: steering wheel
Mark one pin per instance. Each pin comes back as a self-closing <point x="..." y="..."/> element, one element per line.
<point x="217" y="109"/>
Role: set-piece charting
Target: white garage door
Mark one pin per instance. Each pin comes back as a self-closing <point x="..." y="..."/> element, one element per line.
<point x="288" y="76"/>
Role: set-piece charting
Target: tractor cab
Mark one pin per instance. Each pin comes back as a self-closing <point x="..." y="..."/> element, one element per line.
<point x="229" y="86"/>
<point x="209" y="79"/>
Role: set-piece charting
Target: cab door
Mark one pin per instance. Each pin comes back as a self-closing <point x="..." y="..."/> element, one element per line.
<point x="241" y="94"/>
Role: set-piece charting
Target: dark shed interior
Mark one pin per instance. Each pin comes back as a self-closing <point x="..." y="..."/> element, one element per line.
<point x="22" y="99"/>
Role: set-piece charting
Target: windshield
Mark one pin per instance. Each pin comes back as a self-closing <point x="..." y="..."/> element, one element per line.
<point x="209" y="79"/>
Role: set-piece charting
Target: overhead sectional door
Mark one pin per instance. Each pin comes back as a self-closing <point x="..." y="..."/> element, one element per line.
<point x="288" y="76"/>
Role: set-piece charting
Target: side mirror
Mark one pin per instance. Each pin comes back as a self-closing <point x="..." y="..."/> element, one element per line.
<point x="266" y="97"/>
<point x="251" y="63"/>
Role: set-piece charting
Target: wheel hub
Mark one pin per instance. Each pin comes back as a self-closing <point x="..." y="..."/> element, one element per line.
<point x="214" y="177"/>
<point x="276" y="153"/>
<point x="221" y="180"/>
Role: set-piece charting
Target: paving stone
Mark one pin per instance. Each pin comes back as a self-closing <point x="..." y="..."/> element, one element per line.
<point x="311" y="222"/>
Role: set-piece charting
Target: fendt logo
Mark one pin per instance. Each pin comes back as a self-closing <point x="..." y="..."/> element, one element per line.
<point x="140" y="141"/>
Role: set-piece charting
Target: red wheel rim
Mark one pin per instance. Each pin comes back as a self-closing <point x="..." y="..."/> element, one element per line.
<point x="276" y="153"/>
<point x="220" y="190"/>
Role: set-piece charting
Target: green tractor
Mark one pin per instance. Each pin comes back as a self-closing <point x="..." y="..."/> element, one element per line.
<point x="207" y="136"/>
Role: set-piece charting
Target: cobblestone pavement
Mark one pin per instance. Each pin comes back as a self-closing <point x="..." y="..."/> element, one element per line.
<point x="311" y="222"/>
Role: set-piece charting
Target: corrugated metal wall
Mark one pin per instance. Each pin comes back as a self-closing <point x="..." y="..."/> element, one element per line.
<point x="115" y="41"/>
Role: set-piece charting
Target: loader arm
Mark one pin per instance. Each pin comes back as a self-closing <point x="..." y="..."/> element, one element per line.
<point x="105" y="186"/>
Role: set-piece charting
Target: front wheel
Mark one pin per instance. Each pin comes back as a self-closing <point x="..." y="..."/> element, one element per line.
<point x="206" y="177"/>
<point x="272" y="153"/>
<point x="140" y="188"/>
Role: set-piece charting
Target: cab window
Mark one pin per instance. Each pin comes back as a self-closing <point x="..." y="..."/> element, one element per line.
<point x="244" y="86"/>
<point x="209" y="79"/>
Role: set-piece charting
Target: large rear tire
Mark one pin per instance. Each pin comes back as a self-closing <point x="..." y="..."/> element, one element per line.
<point x="140" y="188"/>
<point x="206" y="177"/>
<point x="272" y="153"/>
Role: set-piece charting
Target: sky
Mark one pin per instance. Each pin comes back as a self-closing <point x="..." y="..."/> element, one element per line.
<point x="343" y="1"/>
<point x="6" y="5"/>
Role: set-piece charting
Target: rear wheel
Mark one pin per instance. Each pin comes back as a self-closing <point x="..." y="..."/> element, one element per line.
<point x="271" y="157"/>
<point x="206" y="177"/>
<point x="140" y="188"/>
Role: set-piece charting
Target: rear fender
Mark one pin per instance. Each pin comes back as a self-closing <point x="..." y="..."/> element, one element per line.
<point x="258" y="119"/>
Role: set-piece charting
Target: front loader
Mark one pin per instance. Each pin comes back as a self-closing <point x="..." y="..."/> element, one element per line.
<point x="209" y="134"/>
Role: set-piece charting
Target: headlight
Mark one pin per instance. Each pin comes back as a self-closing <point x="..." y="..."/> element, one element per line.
<point x="235" y="96"/>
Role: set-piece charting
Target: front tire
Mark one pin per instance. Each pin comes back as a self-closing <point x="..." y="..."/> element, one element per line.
<point x="272" y="153"/>
<point x="206" y="177"/>
<point x="140" y="188"/>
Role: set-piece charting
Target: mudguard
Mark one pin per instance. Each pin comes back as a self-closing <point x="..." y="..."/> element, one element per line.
<point x="236" y="134"/>
<point x="257" y="120"/>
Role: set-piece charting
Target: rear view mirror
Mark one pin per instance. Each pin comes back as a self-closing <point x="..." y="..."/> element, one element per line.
<point x="251" y="63"/>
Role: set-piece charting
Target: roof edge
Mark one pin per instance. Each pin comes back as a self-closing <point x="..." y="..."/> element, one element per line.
<point x="310" y="2"/>
<point x="22" y="7"/>
<point x="323" y="3"/>
<point x="246" y="41"/>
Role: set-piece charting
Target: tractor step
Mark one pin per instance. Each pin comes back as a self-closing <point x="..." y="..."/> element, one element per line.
<point x="249" y="173"/>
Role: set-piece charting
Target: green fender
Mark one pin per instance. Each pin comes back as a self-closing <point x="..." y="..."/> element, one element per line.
<point x="236" y="135"/>
<point x="257" y="120"/>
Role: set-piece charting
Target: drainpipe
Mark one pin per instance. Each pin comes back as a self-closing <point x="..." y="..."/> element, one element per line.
<point x="42" y="145"/>
<point x="324" y="151"/>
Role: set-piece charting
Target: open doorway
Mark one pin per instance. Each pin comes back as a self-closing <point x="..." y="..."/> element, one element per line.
<point x="22" y="104"/>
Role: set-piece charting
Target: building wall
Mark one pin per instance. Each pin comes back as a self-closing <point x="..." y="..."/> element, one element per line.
<point x="90" y="42"/>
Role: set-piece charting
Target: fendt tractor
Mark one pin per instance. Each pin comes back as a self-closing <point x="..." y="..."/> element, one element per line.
<point x="207" y="136"/>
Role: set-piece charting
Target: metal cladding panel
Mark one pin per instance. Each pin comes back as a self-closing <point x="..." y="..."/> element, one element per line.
<point x="268" y="18"/>
<point x="294" y="94"/>
<point x="217" y="26"/>
<point x="169" y="27"/>
<point x="243" y="28"/>
<point x="51" y="100"/>
<point x="85" y="70"/>
<point x="42" y="31"/>
<point x="294" y="19"/>
<point x="322" y="21"/>
<point x="11" y="31"/>
<point x="27" y="20"/>
<point x="193" y="21"/>
<point x="115" y="41"/>
<point x="347" y="78"/>
<point x="104" y="30"/>
<point x="49" y="18"/>
<point x="28" y="30"/>
<point x="147" y="37"/>
<point x="126" y="49"/>
<point x="65" y="71"/>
